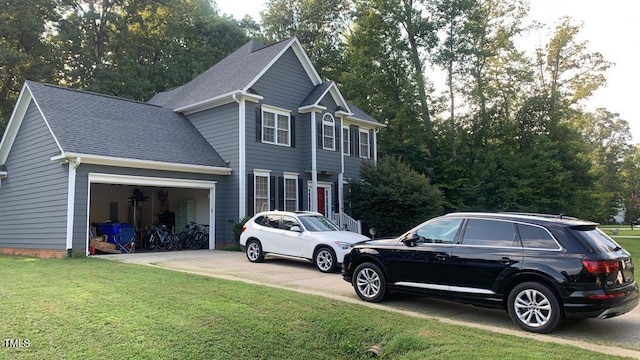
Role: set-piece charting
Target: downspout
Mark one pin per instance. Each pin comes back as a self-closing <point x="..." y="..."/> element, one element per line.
<point x="71" y="200"/>
<point x="242" y="156"/>
<point x="375" y="146"/>
<point x="314" y="168"/>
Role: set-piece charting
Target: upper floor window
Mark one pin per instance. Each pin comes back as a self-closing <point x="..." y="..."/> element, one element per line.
<point x="276" y="126"/>
<point x="364" y="144"/>
<point x="346" y="145"/>
<point x="328" y="132"/>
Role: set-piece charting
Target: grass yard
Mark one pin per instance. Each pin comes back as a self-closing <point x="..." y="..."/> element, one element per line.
<point x="628" y="239"/>
<point x="86" y="308"/>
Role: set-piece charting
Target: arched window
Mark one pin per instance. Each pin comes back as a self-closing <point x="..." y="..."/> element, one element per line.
<point x="328" y="132"/>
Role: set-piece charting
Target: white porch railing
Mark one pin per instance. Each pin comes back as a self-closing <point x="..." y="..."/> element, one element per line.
<point x="348" y="223"/>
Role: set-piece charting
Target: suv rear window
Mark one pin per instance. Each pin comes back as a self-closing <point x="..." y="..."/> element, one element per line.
<point x="595" y="239"/>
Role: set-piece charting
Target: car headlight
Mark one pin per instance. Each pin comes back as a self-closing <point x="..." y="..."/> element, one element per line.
<point x="343" y="245"/>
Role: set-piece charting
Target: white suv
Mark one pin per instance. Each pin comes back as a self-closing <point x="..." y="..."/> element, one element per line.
<point x="299" y="235"/>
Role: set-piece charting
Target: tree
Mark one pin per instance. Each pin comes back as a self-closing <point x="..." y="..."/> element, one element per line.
<point x="24" y="51"/>
<point x="608" y="138"/>
<point x="319" y="25"/>
<point x="136" y="49"/>
<point x="392" y="197"/>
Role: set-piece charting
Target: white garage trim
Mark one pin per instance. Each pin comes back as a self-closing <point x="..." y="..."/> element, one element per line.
<point x="101" y="178"/>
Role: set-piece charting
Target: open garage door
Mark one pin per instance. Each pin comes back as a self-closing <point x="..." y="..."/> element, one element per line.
<point x="143" y="202"/>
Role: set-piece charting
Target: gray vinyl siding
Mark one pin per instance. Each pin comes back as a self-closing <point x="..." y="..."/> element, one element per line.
<point x="220" y="127"/>
<point x="33" y="197"/>
<point x="223" y="226"/>
<point x="329" y="160"/>
<point x="285" y="85"/>
<point x="352" y="167"/>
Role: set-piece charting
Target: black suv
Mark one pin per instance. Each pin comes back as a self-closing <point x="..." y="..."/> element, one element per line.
<point x="540" y="268"/>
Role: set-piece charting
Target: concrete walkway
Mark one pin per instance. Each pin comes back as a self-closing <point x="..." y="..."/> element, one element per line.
<point x="605" y="336"/>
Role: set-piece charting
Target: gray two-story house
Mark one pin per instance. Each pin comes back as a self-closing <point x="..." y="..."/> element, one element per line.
<point x="258" y="131"/>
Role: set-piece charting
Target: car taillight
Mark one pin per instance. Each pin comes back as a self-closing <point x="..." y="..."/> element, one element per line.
<point x="607" y="296"/>
<point x="244" y="227"/>
<point x="600" y="266"/>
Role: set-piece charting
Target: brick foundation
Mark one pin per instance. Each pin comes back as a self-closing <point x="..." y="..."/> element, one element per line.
<point x="39" y="253"/>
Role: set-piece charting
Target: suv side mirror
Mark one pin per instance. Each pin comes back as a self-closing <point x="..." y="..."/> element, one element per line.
<point x="411" y="239"/>
<point x="295" y="228"/>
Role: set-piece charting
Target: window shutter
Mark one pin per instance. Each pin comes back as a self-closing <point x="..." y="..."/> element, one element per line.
<point x="300" y="194"/>
<point x="338" y="131"/>
<point x="293" y="131"/>
<point x="371" y="144"/>
<point x="250" y="197"/>
<point x="319" y="134"/>
<point x="355" y="140"/>
<point x="281" y="195"/>
<point x="336" y="198"/>
<point x="273" y="194"/>
<point x="258" y="124"/>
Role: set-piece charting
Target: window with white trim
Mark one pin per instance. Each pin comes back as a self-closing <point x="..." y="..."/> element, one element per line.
<point x="346" y="145"/>
<point x="276" y="127"/>
<point x="290" y="192"/>
<point x="328" y="132"/>
<point x="261" y="190"/>
<point x="364" y="144"/>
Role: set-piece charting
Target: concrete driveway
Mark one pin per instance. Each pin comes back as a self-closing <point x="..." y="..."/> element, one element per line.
<point x="619" y="336"/>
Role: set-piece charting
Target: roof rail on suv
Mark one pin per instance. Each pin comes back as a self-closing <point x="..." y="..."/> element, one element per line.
<point x="547" y="216"/>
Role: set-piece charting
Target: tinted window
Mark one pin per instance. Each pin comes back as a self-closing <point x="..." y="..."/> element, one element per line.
<point x="439" y="231"/>
<point x="272" y="221"/>
<point x="536" y="237"/>
<point x="596" y="239"/>
<point x="489" y="233"/>
<point x="288" y="222"/>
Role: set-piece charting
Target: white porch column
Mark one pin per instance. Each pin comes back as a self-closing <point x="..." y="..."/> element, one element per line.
<point x="314" y="166"/>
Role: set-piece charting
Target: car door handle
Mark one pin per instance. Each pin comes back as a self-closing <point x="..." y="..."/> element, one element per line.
<point x="442" y="257"/>
<point x="507" y="261"/>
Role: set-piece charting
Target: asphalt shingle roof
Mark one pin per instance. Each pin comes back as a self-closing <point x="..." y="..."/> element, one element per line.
<point x="359" y="114"/>
<point x="89" y="123"/>
<point x="232" y="73"/>
<point x="315" y="94"/>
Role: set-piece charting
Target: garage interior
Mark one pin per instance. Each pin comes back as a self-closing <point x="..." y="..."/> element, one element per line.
<point x="142" y="208"/>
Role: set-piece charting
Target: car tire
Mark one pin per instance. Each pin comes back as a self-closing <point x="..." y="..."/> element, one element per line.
<point x="325" y="260"/>
<point x="369" y="282"/>
<point x="534" y="307"/>
<point x="254" y="251"/>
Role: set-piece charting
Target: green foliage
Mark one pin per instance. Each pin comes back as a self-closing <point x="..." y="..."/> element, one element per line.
<point x="392" y="197"/>
<point x="140" y="48"/>
<point x="237" y="228"/>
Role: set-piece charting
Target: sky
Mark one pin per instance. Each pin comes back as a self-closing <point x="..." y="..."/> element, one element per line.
<point x="609" y="27"/>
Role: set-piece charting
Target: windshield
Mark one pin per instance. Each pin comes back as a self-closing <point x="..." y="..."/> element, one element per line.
<point x="596" y="239"/>
<point x="317" y="223"/>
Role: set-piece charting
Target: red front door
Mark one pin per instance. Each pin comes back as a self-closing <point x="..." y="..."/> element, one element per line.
<point x="322" y="205"/>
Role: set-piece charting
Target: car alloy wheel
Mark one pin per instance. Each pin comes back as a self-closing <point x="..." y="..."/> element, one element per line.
<point x="325" y="260"/>
<point x="254" y="251"/>
<point x="369" y="282"/>
<point x="534" y="307"/>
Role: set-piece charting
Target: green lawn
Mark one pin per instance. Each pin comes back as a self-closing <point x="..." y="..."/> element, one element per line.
<point x="625" y="237"/>
<point x="87" y="308"/>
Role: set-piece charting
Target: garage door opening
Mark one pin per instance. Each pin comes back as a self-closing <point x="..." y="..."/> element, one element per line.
<point x="122" y="205"/>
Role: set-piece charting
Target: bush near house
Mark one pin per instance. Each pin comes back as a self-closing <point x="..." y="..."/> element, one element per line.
<point x="392" y="197"/>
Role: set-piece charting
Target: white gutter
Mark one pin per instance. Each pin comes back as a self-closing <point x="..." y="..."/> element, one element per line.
<point x="242" y="157"/>
<point x="217" y="101"/>
<point x="142" y="164"/>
